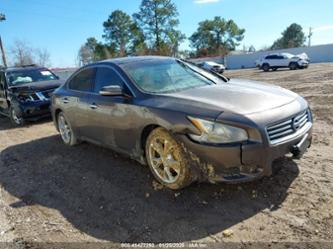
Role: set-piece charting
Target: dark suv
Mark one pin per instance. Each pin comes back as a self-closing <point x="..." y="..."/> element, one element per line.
<point x="25" y="92"/>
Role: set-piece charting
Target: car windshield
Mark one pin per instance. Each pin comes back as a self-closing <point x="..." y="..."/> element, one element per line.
<point x="165" y="76"/>
<point x="24" y="76"/>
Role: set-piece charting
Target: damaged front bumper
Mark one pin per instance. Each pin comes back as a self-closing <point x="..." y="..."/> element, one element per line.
<point x="34" y="110"/>
<point x="236" y="163"/>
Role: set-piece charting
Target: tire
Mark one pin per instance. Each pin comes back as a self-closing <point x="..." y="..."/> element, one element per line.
<point x="66" y="131"/>
<point x="293" y="66"/>
<point x="167" y="160"/>
<point x="274" y="69"/>
<point x="265" y="67"/>
<point x="15" y="117"/>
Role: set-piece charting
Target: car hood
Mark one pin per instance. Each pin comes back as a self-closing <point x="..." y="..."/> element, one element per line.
<point x="37" y="86"/>
<point x="239" y="96"/>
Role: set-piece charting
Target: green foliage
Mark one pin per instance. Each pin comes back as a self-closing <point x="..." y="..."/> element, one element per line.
<point x="118" y="31"/>
<point x="153" y="30"/>
<point x="217" y="36"/>
<point x="292" y="37"/>
<point x="93" y="51"/>
<point x="159" y="19"/>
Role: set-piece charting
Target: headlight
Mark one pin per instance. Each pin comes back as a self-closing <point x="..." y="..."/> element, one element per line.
<point x="217" y="133"/>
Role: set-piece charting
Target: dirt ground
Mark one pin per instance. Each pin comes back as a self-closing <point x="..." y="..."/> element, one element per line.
<point x="49" y="192"/>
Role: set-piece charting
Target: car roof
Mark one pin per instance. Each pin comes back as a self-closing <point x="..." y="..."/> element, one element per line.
<point x="136" y="59"/>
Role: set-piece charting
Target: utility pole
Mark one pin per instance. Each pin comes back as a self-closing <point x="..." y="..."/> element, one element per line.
<point x="309" y="36"/>
<point x="3" y="18"/>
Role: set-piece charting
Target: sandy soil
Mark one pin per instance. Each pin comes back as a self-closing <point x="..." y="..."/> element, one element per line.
<point x="49" y="192"/>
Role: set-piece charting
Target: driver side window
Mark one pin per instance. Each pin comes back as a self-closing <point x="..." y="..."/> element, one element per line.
<point x="105" y="77"/>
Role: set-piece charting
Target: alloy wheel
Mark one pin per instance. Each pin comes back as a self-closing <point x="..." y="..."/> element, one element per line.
<point x="65" y="130"/>
<point x="17" y="120"/>
<point x="163" y="160"/>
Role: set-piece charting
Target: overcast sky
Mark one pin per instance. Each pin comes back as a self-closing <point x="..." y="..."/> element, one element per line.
<point x="62" y="26"/>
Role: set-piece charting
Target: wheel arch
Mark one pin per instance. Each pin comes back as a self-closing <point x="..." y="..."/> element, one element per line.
<point x="144" y="135"/>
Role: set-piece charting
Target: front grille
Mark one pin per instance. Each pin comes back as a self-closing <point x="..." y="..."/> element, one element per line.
<point x="47" y="94"/>
<point x="44" y="95"/>
<point x="288" y="127"/>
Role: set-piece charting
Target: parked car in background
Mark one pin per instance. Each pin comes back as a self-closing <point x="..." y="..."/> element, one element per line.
<point x="186" y="123"/>
<point x="283" y="60"/>
<point x="25" y="92"/>
<point x="212" y="66"/>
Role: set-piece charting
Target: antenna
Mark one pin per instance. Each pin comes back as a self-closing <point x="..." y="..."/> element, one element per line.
<point x="309" y="36"/>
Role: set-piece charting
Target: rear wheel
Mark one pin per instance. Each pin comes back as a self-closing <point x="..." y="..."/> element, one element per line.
<point x="265" y="67"/>
<point x="167" y="160"/>
<point x="15" y="117"/>
<point x="65" y="129"/>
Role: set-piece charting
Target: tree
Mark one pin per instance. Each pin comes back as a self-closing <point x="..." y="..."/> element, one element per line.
<point x="138" y="44"/>
<point x="93" y="51"/>
<point x="87" y="51"/>
<point x="252" y="49"/>
<point x="292" y="37"/>
<point x="118" y="30"/>
<point x="42" y="57"/>
<point x="217" y="36"/>
<point x="22" y="53"/>
<point x="159" y="21"/>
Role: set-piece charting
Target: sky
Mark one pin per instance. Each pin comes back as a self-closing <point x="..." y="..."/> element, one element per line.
<point x="62" y="26"/>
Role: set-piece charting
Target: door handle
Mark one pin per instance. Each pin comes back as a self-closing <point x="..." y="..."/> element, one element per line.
<point x="93" y="106"/>
<point x="65" y="100"/>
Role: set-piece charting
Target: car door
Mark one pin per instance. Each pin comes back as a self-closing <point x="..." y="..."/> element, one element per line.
<point x="272" y="60"/>
<point x="111" y="117"/>
<point x="284" y="60"/>
<point x="3" y="97"/>
<point x="76" y="101"/>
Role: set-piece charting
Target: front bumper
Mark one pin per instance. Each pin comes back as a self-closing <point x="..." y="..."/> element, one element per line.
<point x="241" y="162"/>
<point x="34" y="110"/>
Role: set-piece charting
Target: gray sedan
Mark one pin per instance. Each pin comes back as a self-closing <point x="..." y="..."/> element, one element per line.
<point x="187" y="124"/>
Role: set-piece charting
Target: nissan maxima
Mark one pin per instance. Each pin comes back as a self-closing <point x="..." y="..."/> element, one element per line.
<point x="185" y="123"/>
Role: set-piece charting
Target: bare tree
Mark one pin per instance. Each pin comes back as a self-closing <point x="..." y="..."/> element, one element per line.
<point x="22" y="53"/>
<point x="42" y="57"/>
<point x="85" y="55"/>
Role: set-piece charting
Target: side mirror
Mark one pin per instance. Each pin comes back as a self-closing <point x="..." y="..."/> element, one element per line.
<point x="113" y="90"/>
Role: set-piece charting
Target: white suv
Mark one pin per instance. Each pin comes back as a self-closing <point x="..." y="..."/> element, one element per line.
<point x="212" y="66"/>
<point x="283" y="60"/>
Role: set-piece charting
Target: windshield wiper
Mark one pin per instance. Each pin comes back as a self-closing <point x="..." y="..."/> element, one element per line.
<point x="220" y="76"/>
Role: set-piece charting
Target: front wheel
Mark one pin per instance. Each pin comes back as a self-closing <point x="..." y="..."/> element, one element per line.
<point x="15" y="117"/>
<point x="167" y="160"/>
<point x="293" y="66"/>
<point x="265" y="67"/>
<point x="65" y="129"/>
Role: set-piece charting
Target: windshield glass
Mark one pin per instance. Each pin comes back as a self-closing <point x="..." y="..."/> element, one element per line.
<point x="164" y="76"/>
<point x="29" y="75"/>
